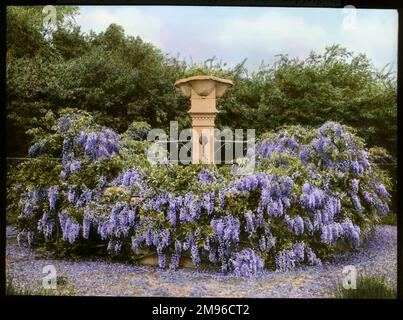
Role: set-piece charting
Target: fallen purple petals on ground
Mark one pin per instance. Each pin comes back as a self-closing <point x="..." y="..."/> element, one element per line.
<point x="99" y="278"/>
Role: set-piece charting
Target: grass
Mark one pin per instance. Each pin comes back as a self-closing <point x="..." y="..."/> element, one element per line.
<point x="390" y="219"/>
<point x="12" y="289"/>
<point x="368" y="287"/>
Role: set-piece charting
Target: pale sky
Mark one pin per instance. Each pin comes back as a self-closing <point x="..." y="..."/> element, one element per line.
<point x="235" y="33"/>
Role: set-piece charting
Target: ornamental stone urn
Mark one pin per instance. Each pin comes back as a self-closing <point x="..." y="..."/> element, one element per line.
<point x="203" y="92"/>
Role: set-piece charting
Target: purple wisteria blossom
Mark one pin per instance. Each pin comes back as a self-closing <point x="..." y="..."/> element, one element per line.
<point x="299" y="251"/>
<point x="308" y="226"/>
<point x="162" y="260"/>
<point x="46" y="226"/>
<point x="311" y="197"/>
<point x="71" y="196"/>
<point x="172" y="211"/>
<point x="97" y="144"/>
<point x="285" y="260"/>
<point x="331" y="233"/>
<point x="28" y="201"/>
<point x="251" y="222"/>
<point x="37" y="148"/>
<point x="368" y="197"/>
<point x="207" y="176"/>
<point x="176" y="256"/>
<point x="247" y="263"/>
<point x="262" y="243"/>
<point x="75" y="165"/>
<point x="358" y="168"/>
<point x="130" y="179"/>
<point x="356" y="202"/>
<point x="86" y="226"/>
<point x="194" y="251"/>
<point x="381" y="206"/>
<point x="226" y="229"/>
<point x="313" y="260"/>
<point x="355" y="185"/>
<point x="331" y="127"/>
<point x="52" y="196"/>
<point x="70" y="228"/>
<point x="352" y="233"/>
<point x="191" y="209"/>
<point x="298" y="226"/>
<point x="381" y="189"/>
<point x="209" y="202"/>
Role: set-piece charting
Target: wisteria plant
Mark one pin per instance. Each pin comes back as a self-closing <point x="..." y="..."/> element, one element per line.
<point x="313" y="191"/>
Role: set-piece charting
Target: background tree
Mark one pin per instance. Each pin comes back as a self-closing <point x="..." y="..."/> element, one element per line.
<point x="121" y="79"/>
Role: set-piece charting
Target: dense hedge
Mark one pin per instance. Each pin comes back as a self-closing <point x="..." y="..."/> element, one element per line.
<point x="312" y="192"/>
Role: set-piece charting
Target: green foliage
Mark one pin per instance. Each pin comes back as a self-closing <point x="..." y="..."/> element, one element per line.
<point x="138" y="130"/>
<point x="368" y="287"/>
<point x="212" y="67"/>
<point x="26" y="33"/>
<point x="337" y="86"/>
<point x="70" y="43"/>
<point x="121" y="79"/>
<point x="390" y="219"/>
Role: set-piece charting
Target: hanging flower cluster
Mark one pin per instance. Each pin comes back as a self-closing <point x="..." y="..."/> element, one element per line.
<point x="84" y="144"/>
<point x="104" y="143"/>
<point x="70" y="228"/>
<point x="247" y="263"/>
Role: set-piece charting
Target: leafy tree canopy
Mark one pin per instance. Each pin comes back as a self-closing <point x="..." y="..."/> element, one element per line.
<point x="120" y="79"/>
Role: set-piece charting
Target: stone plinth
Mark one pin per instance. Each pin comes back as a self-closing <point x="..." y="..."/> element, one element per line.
<point x="203" y="92"/>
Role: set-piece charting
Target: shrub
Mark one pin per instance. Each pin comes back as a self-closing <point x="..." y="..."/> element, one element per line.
<point x="311" y="190"/>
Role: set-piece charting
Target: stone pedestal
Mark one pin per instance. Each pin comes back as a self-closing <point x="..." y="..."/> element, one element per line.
<point x="203" y="92"/>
